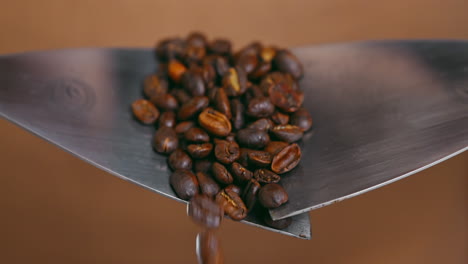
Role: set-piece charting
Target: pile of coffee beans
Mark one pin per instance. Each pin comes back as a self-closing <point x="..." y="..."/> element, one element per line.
<point x="228" y="122"/>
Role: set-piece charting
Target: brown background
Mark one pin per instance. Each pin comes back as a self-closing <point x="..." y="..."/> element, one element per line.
<point x="55" y="208"/>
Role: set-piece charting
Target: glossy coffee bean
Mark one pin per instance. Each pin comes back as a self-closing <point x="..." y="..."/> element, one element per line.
<point x="287" y="62"/>
<point x="168" y="49"/>
<point x="181" y="95"/>
<point x="199" y="151"/>
<point x="266" y="176"/>
<point x="247" y="62"/>
<point x="165" y="102"/>
<point x="196" y="39"/>
<point x="208" y="74"/>
<point x="184" y="183"/>
<point x="232" y="204"/>
<point x="302" y="119"/>
<point x="263" y="68"/>
<point x="209" y="249"/>
<point x="235" y="81"/>
<point x="272" y="195"/>
<point x="204" y="211"/>
<point x="233" y="188"/>
<point x="193" y="54"/>
<point x="207" y="184"/>
<point x="180" y="160"/>
<point x="165" y="140"/>
<point x="153" y="86"/>
<point x="277" y="224"/>
<point x="225" y="151"/>
<point x="215" y="122"/>
<point x="203" y="165"/>
<point x="250" y="194"/>
<point x="273" y="147"/>
<point x="221" y="102"/>
<point x="221" y="174"/>
<point x="192" y="107"/>
<point x="176" y="70"/>
<point x="253" y="48"/>
<point x="196" y="134"/>
<point x="283" y="92"/>
<point x="167" y="119"/>
<point x="193" y="82"/>
<point x="260" y="158"/>
<point x="219" y="64"/>
<point x="240" y="173"/>
<point x="260" y="107"/>
<point x="280" y="118"/>
<point x="252" y="138"/>
<point x="220" y="47"/>
<point x="237" y="109"/>
<point x="145" y="112"/>
<point x="182" y="127"/>
<point x="287" y="159"/>
<point x="268" y="54"/>
<point x="288" y="133"/>
<point x="263" y="124"/>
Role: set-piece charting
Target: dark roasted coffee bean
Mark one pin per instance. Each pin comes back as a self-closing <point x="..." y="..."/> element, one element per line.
<point x="165" y="102"/>
<point x="197" y="39"/>
<point x="209" y="249"/>
<point x="193" y="54"/>
<point x="302" y="119"/>
<point x="287" y="62"/>
<point x="179" y="160"/>
<point x="222" y="103"/>
<point x="204" y="211"/>
<point x="199" y="151"/>
<point x="196" y="134"/>
<point x="176" y="70"/>
<point x="288" y="133"/>
<point x="260" y="158"/>
<point x="244" y="156"/>
<point x="283" y="91"/>
<point x="248" y="62"/>
<point x="181" y="95"/>
<point x="165" y="140"/>
<point x="262" y="69"/>
<point x="209" y="75"/>
<point x="167" y="119"/>
<point x="250" y="194"/>
<point x="215" y="122"/>
<point x="225" y="151"/>
<point x="184" y="183"/>
<point x="145" y="111"/>
<point x="193" y="82"/>
<point x="232" y="204"/>
<point x="207" y="184"/>
<point x="219" y="64"/>
<point x="287" y="159"/>
<point x="220" y="47"/>
<point x="235" y="81"/>
<point x="253" y="48"/>
<point x="266" y="176"/>
<point x="267" y="54"/>
<point x="240" y="173"/>
<point x="272" y="195"/>
<point x="233" y="188"/>
<point x="260" y="107"/>
<point x="211" y="93"/>
<point x="237" y="109"/>
<point x="182" y="127"/>
<point x="154" y="86"/>
<point x="203" y="165"/>
<point x="168" y="49"/>
<point x="193" y="106"/>
<point x="263" y="124"/>
<point x="252" y="138"/>
<point x="277" y="224"/>
<point x="273" y="147"/>
<point x="221" y="174"/>
<point x="280" y="118"/>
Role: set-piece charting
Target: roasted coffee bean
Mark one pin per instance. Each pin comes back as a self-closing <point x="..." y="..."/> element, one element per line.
<point x="168" y="49"/>
<point x="222" y="103"/>
<point x="288" y="133"/>
<point x="262" y="69"/>
<point x="193" y="82"/>
<point x="219" y="64"/>
<point x="244" y="156"/>
<point x="181" y="95"/>
<point x="220" y="47"/>
<point x="184" y="183"/>
<point x="263" y="124"/>
<point x="232" y="204"/>
<point x="277" y="224"/>
<point x="248" y="62"/>
<point x="215" y="122"/>
<point x="204" y="211"/>
<point x="193" y="54"/>
<point x="260" y="107"/>
<point x="192" y="107"/>
<point x="165" y="102"/>
<point x="240" y="173"/>
<point x="287" y="159"/>
<point x="267" y="54"/>
<point x="196" y="134"/>
<point x="274" y="147"/>
<point x="209" y="75"/>
<point x="266" y="176"/>
<point x="203" y="165"/>
<point x="237" y="109"/>
<point x="165" y="140"/>
<point x="225" y="151"/>
<point x="211" y="93"/>
<point x="176" y="70"/>
<point x="272" y="195"/>
<point x="250" y="193"/>
<point x="302" y="119"/>
<point x="233" y="188"/>
<point x="179" y="160"/>
<point x="209" y="249"/>
<point x="231" y="137"/>
<point x="145" y="111"/>
<point x="235" y="81"/>
<point x="260" y="158"/>
<point x="182" y="127"/>
<point x="253" y="91"/>
<point x="253" y="48"/>
<point x="167" y="119"/>
<point x="287" y="62"/>
<point x="221" y="174"/>
<point x="199" y="151"/>
<point x="196" y="39"/>
<point x="154" y="86"/>
<point x="280" y="118"/>
<point x="283" y="91"/>
<point x="252" y="138"/>
<point x="207" y="184"/>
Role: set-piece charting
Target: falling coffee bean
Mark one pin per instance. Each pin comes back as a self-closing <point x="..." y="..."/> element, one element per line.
<point x="272" y="195"/>
<point x="209" y="249"/>
<point x="204" y="211"/>
<point x="184" y="183"/>
<point x="145" y="111"/>
<point x="165" y="140"/>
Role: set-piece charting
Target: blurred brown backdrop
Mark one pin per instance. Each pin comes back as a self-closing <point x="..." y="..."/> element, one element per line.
<point x="55" y="208"/>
